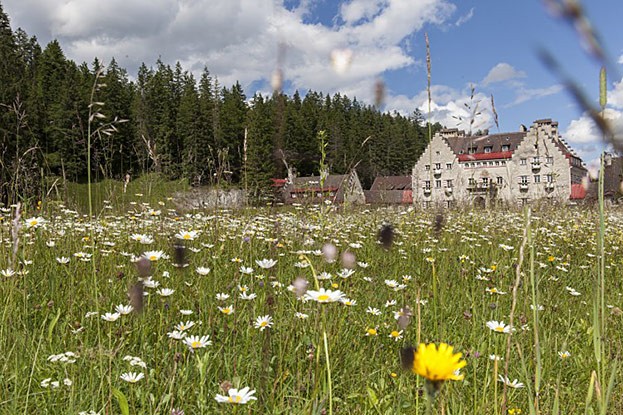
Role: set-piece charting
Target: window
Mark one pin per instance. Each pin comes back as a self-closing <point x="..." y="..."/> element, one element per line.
<point x="549" y="178"/>
<point x="448" y="166"/>
<point x="506" y="147"/>
<point x="485" y="182"/>
<point x="437" y="166"/>
<point x="522" y="162"/>
<point x="497" y="163"/>
<point x="449" y="183"/>
<point x="524" y="201"/>
<point x="438" y="153"/>
<point x="471" y="181"/>
<point x="427" y="167"/>
<point x="535" y="160"/>
<point x="523" y="179"/>
<point x="449" y="203"/>
<point x="488" y="149"/>
<point x="427" y="204"/>
<point x="472" y="150"/>
<point x="427" y="184"/>
<point x="437" y="184"/>
<point x="549" y="160"/>
<point x="500" y="180"/>
<point x="293" y="195"/>
<point x="537" y="178"/>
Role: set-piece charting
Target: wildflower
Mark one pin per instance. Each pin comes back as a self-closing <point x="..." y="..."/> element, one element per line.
<point x="236" y="396"/>
<point x="300" y="315"/>
<point x="185" y="326"/>
<point x="246" y="270"/>
<point x="135" y="361"/>
<point x="110" y="316"/>
<point x="34" y="222"/>
<point x="227" y="310"/>
<point x="7" y="272"/>
<point x="373" y="311"/>
<point x="124" y="309"/>
<point x="348" y="302"/>
<point x="345" y="272"/>
<point x="196" y="342"/>
<point x="495" y="357"/>
<point x="263" y="322"/>
<point x="499" y="327"/>
<point x="186" y="312"/>
<point x="67" y="382"/>
<point x="176" y="335"/>
<point x="203" y="270"/>
<point x="153" y="255"/>
<point x="514" y="411"/>
<point x="186" y="235"/>
<point x="495" y="291"/>
<point x="372" y="331"/>
<point x="132" y="377"/>
<point x="564" y="355"/>
<point x="143" y="239"/>
<point x="436" y="364"/>
<point x="62" y="260"/>
<point x="390" y="303"/>
<point x="245" y="296"/>
<point x="324" y="296"/>
<point x="266" y="263"/>
<point x="514" y="384"/>
<point x="396" y="335"/>
<point x="165" y="292"/>
<point x="222" y="296"/>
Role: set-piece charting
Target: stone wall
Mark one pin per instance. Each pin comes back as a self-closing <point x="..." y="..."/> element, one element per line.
<point x="209" y="198"/>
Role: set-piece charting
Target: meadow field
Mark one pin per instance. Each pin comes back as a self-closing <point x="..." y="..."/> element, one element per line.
<point x="310" y="307"/>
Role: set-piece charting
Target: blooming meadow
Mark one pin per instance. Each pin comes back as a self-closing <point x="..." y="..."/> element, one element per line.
<point x="305" y="311"/>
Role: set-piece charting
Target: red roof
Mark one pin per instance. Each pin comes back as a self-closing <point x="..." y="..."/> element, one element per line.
<point x="486" y="156"/>
<point x="279" y="182"/>
<point x="578" y="191"/>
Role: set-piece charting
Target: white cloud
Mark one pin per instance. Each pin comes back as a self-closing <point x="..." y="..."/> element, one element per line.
<point x="465" y="18"/>
<point x="527" y="94"/>
<point x="502" y="72"/>
<point x="236" y="39"/>
<point x="583" y="130"/>
<point x="621" y="59"/>
<point x="450" y="107"/>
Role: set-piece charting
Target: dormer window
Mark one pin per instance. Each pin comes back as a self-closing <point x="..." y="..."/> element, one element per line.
<point x="472" y="150"/>
<point x="506" y="147"/>
<point x="488" y="149"/>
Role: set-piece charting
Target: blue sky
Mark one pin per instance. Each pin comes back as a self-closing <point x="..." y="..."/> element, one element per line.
<point x="490" y="45"/>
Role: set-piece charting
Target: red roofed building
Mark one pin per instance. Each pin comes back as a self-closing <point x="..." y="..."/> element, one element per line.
<point x="505" y="168"/>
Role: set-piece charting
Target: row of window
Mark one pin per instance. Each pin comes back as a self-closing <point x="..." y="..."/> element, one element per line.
<point x="438" y="166"/>
<point x="485" y="181"/>
<point x="537" y="160"/>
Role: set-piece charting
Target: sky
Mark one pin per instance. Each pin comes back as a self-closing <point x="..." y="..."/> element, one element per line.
<point x="478" y="49"/>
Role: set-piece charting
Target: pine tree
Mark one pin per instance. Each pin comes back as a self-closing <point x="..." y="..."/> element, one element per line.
<point x="260" y="166"/>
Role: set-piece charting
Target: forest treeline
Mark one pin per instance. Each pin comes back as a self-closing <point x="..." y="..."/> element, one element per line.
<point x="165" y="120"/>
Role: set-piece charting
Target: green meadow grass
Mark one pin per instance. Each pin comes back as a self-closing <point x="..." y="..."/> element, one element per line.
<point x="446" y="265"/>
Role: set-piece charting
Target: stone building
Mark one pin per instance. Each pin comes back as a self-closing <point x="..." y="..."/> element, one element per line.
<point x="337" y="188"/>
<point x="497" y="169"/>
<point x="390" y="190"/>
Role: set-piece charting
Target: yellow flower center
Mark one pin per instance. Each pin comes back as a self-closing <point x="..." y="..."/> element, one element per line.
<point x="263" y="324"/>
<point x="236" y="399"/>
<point x="499" y="328"/>
<point x="186" y="236"/>
<point x="195" y="345"/>
<point x="395" y="333"/>
<point x="323" y="297"/>
<point x="372" y="332"/>
<point x="334" y="285"/>
<point x="153" y="258"/>
<point x="226" y="310"/>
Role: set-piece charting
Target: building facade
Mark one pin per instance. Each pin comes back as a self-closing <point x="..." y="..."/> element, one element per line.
<point x="497" y="169"/>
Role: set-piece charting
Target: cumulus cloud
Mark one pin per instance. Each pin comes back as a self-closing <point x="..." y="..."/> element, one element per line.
<point x="621" y="59"/>
<point x="236" y="39"/>
<point x="527" y="94"/>
<point x="502" y="72"/>
<point x="450" y="107"/>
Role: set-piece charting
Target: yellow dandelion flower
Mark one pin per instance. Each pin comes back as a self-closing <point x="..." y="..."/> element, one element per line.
<point x="438" y="364"/>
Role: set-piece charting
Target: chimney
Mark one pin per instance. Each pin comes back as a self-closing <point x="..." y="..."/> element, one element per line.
<point x="523" y="128"/>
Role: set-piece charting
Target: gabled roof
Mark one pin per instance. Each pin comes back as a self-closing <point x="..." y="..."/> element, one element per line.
<point x="392" y="183"/>
<point x="475" y="145"/>
<point x="332" y="181"/>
